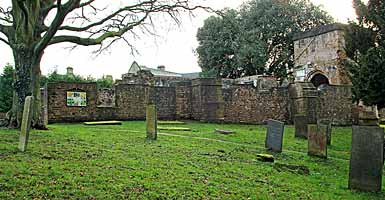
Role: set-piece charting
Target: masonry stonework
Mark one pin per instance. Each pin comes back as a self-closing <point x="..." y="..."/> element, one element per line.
<point x="203" y="100"/>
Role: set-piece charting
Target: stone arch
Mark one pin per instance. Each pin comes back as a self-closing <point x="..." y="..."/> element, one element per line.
<point x="318" y="78"/>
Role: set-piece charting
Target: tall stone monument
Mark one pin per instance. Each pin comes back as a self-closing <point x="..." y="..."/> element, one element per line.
<point x="26" y="123"/>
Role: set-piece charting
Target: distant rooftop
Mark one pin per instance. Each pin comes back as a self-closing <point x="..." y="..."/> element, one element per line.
<point x="160" y="71"/>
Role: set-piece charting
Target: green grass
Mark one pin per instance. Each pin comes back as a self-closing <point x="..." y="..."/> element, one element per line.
<point x="74" y="161"/>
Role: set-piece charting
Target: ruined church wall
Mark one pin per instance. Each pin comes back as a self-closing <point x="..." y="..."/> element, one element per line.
<point x="336" y="104"/>
<point x="129" y="103"/>
<point x="244" y="104"/>
<point x="204" y="100"/>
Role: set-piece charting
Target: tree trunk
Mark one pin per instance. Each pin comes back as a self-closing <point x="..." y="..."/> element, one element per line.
<point x="26" y="83"/>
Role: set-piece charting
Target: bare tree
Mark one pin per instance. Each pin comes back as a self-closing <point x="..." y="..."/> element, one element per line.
<point x="28" y="27"/>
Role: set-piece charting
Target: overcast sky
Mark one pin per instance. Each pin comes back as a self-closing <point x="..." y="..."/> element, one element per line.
<point x="174" y="47"/>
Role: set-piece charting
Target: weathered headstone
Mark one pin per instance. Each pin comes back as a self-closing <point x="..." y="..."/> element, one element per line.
<point x="300" y="125"/>
<point x="317" y="140"/>
<point x="26" y="123"/>
<point x="45" y="106"/>
<point x="151" y="122"/>
<point x="366" y="158"/>
<point x="274" y="135"/>
<point x="328" y="124"/>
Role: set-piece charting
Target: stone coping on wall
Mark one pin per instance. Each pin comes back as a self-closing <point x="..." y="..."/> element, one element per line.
<point x="320" y="30"/>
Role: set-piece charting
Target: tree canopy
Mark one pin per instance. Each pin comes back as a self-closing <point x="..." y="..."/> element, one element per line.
<point x="257" y="38"/>
<point x="367" y="40"/>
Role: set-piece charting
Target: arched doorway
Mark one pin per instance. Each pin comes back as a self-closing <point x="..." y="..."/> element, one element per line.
<point x="319" y="79"/>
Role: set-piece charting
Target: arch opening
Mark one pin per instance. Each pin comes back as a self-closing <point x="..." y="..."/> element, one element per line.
<point x="319" y="79"/>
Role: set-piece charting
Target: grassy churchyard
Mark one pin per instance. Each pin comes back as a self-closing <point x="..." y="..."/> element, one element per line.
<point x="75" y="161"/>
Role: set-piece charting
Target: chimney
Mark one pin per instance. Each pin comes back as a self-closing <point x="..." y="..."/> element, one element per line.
<point x="110" y="78"/>
<point x="70" y="71"/>
<point x="162" y="67"/>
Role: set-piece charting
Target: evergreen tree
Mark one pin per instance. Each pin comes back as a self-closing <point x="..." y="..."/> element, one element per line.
<point x="6" y="88"/>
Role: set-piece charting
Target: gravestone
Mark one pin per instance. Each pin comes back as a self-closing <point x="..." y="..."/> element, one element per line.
<point x="366" y="158"/>
<point x="328" y="124"/>
<point x="26" y="123"/>
<point x="300" y="125"/>
<point x="274" y="135"/>
<point x="317" y="140"/>
<point x="151" y="122"/>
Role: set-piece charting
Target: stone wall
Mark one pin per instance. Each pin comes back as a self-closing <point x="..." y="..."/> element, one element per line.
<point x="336" y="104"/>
<point x="201" y="99"/>
<point x="128" y="102"/>
<point x="381" y="113"/>
<point x="244" y="104"/>
<point x="58" y="111"/>
<point x="183" y="97"/>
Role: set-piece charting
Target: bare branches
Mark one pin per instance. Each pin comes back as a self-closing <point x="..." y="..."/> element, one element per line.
<point x="121" y="21"/>
<point x="5" y="15"/>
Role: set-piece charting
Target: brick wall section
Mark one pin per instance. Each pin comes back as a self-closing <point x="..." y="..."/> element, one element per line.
<point x="244" y="104"/>
<point x="336" y="104"/>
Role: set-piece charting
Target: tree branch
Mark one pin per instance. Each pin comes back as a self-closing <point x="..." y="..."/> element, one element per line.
<point x="62" y="11"/>
<point x="5" y="30"/>
<point x="5" y="41"/>
<point x="98" y="40"/>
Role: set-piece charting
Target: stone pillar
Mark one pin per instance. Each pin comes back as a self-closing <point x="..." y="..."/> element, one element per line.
<point x="207" y="100"/>
<point x="151" y="113"/>
<point x="26" y="123"/>
<point x="151" y="122"/>
<point x="183" y="97"/>
<point x="366" y="158"/>
<point x="305" y="103"/>
<point x="44" y="102"/>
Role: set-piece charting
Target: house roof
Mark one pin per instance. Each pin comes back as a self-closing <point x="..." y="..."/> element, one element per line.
<point x="135" y="67"/>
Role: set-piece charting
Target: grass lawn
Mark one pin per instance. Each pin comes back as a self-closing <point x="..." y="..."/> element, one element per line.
<point x="75" y="161"/>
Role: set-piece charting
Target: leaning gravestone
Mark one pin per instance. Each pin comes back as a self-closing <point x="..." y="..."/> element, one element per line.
<point x="300" y="125"/>
<point x="366" y="158"/>
<point x="317" y="140"/>
<point x="151" y="122"/>
<point x="328" y="124"/>
<point x="26" y="123"/>
<point x="274" y="135"/>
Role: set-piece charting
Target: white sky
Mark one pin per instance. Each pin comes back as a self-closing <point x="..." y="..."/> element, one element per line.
<point x="174" y="48"/>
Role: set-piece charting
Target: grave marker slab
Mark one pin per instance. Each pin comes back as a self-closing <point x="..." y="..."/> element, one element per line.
<point x="317" y="141"/>
<point x="151" y="122"/>
<point x="300" y="124"/>
<point x="274" y="135"/>
<point x="328" y="125"/>
<point x="26" y="123"/>
<point x="366" y="158"/>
